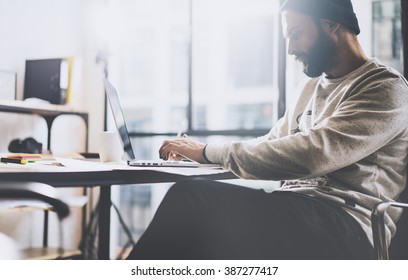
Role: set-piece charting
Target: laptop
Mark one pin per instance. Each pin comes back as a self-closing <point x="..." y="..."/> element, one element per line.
<point x="119" y="119"/>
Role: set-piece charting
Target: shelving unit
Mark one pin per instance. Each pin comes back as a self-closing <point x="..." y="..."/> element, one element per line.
<point x="49" y="112"/>
<point x="49" y="254"/>
<point x="38" y="253"/>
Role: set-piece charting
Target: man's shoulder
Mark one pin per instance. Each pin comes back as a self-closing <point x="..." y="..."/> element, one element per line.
<point x="376" y="75"/>
<point x="383" y="71"/>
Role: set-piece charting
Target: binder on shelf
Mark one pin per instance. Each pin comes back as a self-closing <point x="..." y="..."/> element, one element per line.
<point x="47" y="79"/>
<point x="74" y="77"/>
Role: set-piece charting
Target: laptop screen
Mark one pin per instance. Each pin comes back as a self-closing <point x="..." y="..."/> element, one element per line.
<point x="119" y="119"/>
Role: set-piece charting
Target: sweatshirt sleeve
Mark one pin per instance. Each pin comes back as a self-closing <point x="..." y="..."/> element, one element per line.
<point x="363" y="123"/>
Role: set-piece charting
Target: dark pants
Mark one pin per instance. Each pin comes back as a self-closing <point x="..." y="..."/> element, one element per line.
<point x="203" y="219"/>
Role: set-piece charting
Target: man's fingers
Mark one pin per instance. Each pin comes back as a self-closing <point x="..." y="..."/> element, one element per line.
<point x="169" y="150"/>
<point x="164" y="149"/>
<point x="175" y="156"/>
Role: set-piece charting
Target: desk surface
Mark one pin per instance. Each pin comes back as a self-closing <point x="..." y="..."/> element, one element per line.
<point x="65" y="172"/>
<point x="106" y="177"/>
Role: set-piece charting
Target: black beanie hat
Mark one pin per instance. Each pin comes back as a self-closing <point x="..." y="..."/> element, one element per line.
<point x="340" y="11"/>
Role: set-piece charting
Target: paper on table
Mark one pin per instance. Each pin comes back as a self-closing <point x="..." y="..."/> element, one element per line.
<point x="46" y="164"/>
<point x="84" y="165"/>
<point x="87" y="165"/>
<point x="81" y="165"/>
<point x="186" y="171"/>
<point x="30" y="167"/>
<point x="57" y="165"/>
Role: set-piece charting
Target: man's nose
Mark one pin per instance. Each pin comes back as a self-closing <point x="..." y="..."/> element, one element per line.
<point x="290" y="48"/>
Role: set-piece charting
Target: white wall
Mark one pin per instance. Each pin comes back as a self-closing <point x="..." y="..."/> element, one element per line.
<point x="363" y="10"/>
<point x="49" y="29"/>
<point x="38" y="29"/>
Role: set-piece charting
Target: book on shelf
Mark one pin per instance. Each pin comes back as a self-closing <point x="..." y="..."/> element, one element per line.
<point x="53" y="80"/>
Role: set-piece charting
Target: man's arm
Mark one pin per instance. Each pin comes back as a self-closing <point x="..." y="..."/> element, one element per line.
<point x="361" y="125"/>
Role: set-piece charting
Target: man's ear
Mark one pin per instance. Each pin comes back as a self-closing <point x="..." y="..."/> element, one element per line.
<point x="330" y="27"/>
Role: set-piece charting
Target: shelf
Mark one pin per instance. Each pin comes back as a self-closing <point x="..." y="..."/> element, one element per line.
<point x="48" y="111"/>
<point x="19" y="106"/>
<point x="49" y="254"/>
<point x="22" y="205"/>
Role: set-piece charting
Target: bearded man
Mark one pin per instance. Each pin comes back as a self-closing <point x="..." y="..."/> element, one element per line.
<point x="340" y="149"/>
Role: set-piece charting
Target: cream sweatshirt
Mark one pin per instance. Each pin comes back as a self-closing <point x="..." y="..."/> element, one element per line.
<point x="343" y="140"/>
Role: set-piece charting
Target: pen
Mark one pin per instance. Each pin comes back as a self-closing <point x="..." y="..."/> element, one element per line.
<point x="13" y="160"/>
<point x="25" y="156"/>
<point x="179" y="134"/>
<point x="182" y="127"/>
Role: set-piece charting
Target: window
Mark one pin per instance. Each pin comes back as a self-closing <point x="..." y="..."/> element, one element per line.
<point x="206" y="67"/>
<point x="211" y="68"/>
<point x="234" y="50"/>
<point x="387" y="36"/>
<point x="177" y="57"/>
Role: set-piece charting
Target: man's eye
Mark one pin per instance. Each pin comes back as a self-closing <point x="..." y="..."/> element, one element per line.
<point x="296" y="34"/>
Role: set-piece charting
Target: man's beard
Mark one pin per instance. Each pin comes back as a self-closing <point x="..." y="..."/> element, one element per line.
<point x="322" y="56"/>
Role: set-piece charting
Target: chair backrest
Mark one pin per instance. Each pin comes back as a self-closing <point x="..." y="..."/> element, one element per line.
<point x="399" y="244"/>
<point x="31" y="191"/>
<point x="37" y="191"/>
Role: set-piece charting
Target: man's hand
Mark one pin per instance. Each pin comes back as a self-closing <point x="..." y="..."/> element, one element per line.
<point x="182" y="148"/>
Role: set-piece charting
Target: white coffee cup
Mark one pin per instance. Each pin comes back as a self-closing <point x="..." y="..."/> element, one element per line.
<point x="110" y="147"/>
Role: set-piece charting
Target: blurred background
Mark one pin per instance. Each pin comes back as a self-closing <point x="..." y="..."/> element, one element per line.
<point x="215" y="69"/>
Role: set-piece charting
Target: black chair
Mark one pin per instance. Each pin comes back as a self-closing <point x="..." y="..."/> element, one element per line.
<point x="398" y="248"/>
<point x="38" y="192"/>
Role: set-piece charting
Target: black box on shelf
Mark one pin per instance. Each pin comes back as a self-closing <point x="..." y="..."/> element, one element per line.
<point x="47" y="79"/>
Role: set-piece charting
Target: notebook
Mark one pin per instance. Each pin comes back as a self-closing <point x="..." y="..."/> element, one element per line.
<point x="119" y="119"/>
